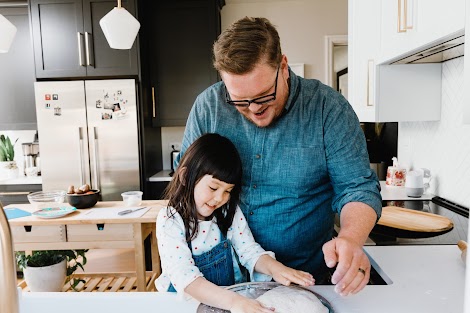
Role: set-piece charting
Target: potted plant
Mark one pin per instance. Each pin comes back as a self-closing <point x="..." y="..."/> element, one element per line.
<point x="48" y="270"/>
<point x="7" y="155"/>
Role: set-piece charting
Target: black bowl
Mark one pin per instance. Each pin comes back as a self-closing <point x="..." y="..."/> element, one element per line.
<point x="83" y="201"/>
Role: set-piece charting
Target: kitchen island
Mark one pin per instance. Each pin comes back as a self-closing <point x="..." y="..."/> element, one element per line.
<point x="427" y="279"/>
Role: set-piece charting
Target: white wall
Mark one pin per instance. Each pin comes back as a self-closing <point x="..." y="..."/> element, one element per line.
<point x="442" y="146"/>
<point x="302" y="26"/>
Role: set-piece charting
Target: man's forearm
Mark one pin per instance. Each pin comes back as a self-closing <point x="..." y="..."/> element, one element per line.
<point x="357" y="220"/>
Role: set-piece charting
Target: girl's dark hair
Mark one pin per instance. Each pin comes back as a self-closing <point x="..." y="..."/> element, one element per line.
<point x="210" y="154"/>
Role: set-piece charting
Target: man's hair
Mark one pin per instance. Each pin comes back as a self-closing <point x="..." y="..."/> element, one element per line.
<point x="246" y="43"/>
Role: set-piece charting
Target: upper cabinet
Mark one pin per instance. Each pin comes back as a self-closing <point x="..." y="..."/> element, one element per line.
<point x="17" y="75"/>
<point x="363" y="54"/>
<point x="68" y="40"/>
<point x="409" y="24"/>
<point x="466" y="97"/>
<point x="380" y="31"/>
<point x="177" y="38"/>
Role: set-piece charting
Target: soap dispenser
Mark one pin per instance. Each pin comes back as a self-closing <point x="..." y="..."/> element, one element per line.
<point x="396" y="174"/>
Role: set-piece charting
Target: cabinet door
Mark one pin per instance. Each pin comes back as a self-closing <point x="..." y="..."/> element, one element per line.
<point x="101" y="60"/>
<point x="57" y="27"/>
<point x="17" y="76"/>
<point x="364" y="44"/>
<point x="466" y="86"/>
<point x="422" y="22"/>
<point x="181" y="35"/>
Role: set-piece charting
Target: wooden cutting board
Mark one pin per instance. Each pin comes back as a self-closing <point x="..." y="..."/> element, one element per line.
<point x="412" y="220"/>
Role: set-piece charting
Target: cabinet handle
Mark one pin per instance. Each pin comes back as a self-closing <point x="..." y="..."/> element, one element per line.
<point x="87" y="49"/>
<point x="370" y="79"/>
<point x="95" y="152"/>
<point x="80" y="143"/>
<point x="80" y="49"/>
<point x="403" y="11"/>
<point x="153" y="102"/>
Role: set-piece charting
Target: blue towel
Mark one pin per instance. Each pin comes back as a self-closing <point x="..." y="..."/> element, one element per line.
<point x="12" y="213"/>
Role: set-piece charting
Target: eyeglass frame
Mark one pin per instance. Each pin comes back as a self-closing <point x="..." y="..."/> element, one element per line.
<point x="247" y="103"/>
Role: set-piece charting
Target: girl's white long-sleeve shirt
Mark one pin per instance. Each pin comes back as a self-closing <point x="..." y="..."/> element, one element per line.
<point x="176" y="257"/>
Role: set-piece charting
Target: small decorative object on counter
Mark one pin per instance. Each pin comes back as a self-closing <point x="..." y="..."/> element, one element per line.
<point x="396" y="175"/>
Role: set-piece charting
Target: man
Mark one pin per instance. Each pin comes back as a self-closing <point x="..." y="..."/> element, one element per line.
<point x="303" y="152"/>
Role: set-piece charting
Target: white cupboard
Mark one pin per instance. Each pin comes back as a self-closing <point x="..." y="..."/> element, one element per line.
<point x="466" y="103"/>
<point x="387" y="30"/>
<point x="363" y="53"/>
<point x="408" y="24"/>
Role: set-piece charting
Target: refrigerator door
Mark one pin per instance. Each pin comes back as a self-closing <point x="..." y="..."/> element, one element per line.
<point x="62" y="128"/>
<point x="113" y="136"/>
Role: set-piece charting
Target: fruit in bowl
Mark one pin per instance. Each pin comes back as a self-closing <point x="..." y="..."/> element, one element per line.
<point x="46" y="199"/>
<point x="82" y="197"/>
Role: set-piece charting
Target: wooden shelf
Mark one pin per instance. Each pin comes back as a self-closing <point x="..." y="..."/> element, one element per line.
<point x="106" y="282"/>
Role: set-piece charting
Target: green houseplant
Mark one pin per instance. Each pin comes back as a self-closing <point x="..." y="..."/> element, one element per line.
<point x="8" y="167"/>
<point x="7" y="151"/>
<point x="51" y="260"/>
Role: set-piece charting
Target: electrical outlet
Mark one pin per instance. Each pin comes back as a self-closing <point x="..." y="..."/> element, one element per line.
<point x="174" y="145"/>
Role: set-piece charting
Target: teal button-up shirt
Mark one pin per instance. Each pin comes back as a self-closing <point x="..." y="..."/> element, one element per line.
<point x="298" y="172"/>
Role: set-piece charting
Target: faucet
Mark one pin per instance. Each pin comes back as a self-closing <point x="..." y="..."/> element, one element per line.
<point x="8" y="291"/>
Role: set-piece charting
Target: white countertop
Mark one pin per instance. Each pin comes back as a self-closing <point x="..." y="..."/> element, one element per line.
<point x="425" y="279"/>
<point x="398" y="193"/>
<point x="161" y="176"/>
<point x="22" y="180"/>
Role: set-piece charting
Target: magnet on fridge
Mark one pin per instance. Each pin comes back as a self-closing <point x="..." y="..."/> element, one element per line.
<point x="98" y="104"/>
<point x="119" y="92"/>
<point x="55" y="97"/>
<point x="48" y="105"/>
<point x="57" y="111"/>
<point x="47" y="97"/>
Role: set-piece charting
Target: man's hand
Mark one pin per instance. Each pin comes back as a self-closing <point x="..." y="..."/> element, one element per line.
<point x="352" y="265"/>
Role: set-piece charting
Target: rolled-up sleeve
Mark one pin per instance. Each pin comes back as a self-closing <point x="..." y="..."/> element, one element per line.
<point x="347" y="157"/>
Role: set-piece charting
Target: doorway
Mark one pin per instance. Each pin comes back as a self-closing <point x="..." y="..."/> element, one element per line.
<point x="336" y="53"/>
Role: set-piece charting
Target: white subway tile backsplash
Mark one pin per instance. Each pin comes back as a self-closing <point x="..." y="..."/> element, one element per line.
<point x="442" y="146"/>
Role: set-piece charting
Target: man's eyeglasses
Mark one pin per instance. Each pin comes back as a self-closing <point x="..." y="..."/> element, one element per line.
<point x="260" y="100"/>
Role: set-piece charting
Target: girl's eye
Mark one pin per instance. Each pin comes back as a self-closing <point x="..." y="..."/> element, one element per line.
<point x="213" y="189"/>
<point x="228" y="191"/>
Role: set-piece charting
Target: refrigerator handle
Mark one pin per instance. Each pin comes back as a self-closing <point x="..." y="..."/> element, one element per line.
<point x="153" y="102"/>
<point x="82" y="170"/>
<point x="95" y="152"/>
<point x="89" y="60"/>
<point x="80" y="49"/>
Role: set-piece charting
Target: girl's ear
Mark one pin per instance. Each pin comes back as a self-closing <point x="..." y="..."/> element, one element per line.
<point x="182" y="175"/>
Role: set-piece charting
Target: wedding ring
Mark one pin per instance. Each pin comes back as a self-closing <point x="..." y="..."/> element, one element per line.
<point x="362" y="271"/>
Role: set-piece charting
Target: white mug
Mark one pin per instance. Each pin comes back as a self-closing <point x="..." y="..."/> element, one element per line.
<point x="417" y="182"/>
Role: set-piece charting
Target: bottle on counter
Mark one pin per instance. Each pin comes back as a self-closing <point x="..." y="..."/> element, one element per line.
<point x="396" y="174"/>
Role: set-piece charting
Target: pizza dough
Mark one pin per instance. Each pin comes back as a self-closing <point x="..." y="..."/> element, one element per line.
<point x="292" y="300"/>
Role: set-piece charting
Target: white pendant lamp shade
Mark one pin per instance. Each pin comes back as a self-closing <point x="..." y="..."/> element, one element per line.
<point x="120" y="28"/>
<point x="7" y="33"/>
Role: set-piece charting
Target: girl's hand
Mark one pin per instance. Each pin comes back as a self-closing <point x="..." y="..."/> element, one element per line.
<point x="245" y="305"/>
<point x="286" y="275"/>
<point x="281" y="273"/>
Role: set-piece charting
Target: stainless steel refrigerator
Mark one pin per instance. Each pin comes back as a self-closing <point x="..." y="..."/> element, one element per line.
<point x="88" y="134"/>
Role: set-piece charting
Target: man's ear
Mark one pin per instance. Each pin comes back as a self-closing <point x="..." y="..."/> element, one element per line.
<point x="181" y="172"/>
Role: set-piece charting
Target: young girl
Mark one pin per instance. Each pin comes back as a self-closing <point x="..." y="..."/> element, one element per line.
<point x="201" y="225"/>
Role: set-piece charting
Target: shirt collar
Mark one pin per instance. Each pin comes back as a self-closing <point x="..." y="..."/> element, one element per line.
<point x="294" y="88"/>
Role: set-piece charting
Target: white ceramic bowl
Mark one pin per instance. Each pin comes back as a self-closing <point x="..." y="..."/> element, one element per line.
<point x="132" y="198"/>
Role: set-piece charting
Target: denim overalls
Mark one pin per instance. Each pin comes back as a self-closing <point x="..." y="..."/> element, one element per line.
<point x="216" y="264"/>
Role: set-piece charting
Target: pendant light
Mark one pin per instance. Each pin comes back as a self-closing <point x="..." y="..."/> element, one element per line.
<point x="120" y="28"/>
<point x="7" y="34"/>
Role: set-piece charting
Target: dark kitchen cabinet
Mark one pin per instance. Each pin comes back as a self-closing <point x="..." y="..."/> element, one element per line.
<point x="177" y="38"/>
<point x="68" y="40"/>
<point x="17" y="110"/>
